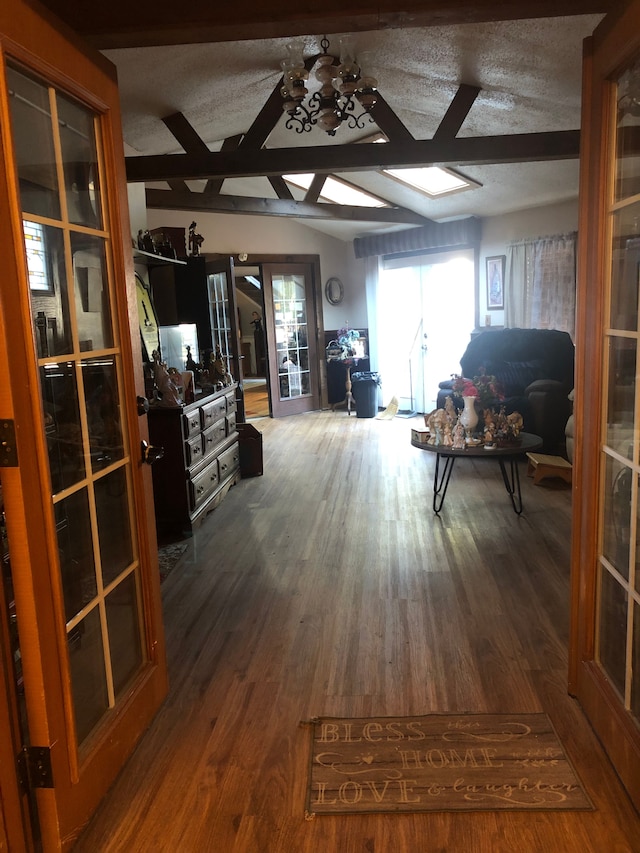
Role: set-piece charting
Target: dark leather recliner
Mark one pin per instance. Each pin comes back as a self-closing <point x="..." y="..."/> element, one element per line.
<point x="535" y="370"/>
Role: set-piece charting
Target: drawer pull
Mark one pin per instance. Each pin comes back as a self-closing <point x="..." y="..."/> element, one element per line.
<point x="200" y="490"/>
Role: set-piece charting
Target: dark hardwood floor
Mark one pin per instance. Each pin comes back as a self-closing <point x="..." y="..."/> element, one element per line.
<point x="328" y="587"/>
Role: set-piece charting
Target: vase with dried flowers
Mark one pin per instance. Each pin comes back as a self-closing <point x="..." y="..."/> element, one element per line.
<point x="484" y="388"/>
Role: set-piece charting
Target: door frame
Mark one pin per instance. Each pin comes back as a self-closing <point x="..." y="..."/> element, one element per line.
<point x="57" y="56"/>
<point x="614" y="43"/>
<point x="313" y="262"/>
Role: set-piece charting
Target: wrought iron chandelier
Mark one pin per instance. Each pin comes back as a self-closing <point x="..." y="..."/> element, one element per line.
<point x="343" y="87"/>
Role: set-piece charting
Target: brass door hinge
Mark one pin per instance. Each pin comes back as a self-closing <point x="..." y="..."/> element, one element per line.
<point x="34" y="766"/>
<point x="8" y="450"/>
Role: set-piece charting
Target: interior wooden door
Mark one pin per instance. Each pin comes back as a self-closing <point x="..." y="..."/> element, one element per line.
<point x="223" y="317"/>
<point x="77" y="497"/>
<point x="291" y="327"/>
<point x="605" y="648"/>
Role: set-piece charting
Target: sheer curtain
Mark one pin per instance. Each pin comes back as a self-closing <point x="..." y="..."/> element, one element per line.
<point x="540" y="286"/>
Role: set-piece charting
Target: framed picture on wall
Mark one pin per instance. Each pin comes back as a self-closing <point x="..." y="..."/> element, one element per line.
<point x="495" y="282"/>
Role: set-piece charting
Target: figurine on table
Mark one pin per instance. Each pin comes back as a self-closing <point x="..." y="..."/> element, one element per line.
<point x="218" y="370"/>
<point x="168" y="394"/>
<point x="459" y="440"/>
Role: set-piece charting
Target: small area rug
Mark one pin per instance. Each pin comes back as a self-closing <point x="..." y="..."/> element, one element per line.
<point x="440" y="762"/>
<point x="168" y="556"/>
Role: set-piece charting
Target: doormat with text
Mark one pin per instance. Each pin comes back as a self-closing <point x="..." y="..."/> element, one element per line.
<point x="440" y="762"/>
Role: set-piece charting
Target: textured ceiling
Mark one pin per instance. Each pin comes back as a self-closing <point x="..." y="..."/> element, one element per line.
<point x="529" y="72"/>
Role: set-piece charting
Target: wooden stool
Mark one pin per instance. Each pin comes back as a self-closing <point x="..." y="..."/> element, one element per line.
<point x="541" y="466"/>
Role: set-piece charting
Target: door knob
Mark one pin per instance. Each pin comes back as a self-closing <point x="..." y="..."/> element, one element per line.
<point x="151" y="454"/>
<point x="143" y="405"/>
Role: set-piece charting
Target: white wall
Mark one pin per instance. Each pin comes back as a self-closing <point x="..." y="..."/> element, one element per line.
<point x="499" y="231"/>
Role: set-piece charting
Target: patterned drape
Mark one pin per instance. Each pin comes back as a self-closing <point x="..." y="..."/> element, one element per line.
<point x="540" y="283"/>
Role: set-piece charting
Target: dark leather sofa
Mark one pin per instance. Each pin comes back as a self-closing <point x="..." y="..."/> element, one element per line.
<point x="535" y="370"/>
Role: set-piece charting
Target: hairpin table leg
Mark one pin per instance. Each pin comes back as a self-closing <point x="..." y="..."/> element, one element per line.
<point x="441" y="482"/>
<point x="512" y="482"/>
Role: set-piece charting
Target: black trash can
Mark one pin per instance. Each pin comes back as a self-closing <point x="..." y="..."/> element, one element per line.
<point x="364" y="387"/>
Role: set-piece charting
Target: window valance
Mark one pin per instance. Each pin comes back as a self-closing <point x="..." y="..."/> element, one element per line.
<point x="437" y="235"/>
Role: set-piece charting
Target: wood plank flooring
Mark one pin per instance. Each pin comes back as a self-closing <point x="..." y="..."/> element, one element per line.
<point x="328" y="587"/>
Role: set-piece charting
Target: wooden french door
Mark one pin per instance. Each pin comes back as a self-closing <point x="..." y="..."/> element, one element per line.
<point x="291" y="325"/>
<point x="605" y="648"/>
<point x="78" y="504"/>
<point x="223" y="318"/>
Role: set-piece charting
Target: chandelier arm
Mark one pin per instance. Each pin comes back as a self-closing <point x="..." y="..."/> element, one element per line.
<point x="300" y="125"/>
<point x="358" y="121"/>
<point x="302" y="120"/>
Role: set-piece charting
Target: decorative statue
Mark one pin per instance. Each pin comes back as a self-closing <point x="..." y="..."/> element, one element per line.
<point x="219" y="372"/>
<point x="459" y="440"/>
<point x="450" y="409"/>
<point x="489" y="429"/>
<point x="168" y="394"/>
<point x="190" y="363"/>
<point x="145" y="242"/>
<point x="438" y="419"/>
<point x="195" y="240"/>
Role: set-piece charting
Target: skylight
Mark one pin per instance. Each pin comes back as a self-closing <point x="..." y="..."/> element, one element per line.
<point x="432" y="180"/>
<point x="337" y="191"/>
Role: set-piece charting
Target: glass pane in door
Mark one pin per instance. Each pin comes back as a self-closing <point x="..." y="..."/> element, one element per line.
<point x="618" y="589"/>
<point x="80" y="163"/>
<point x="291" y="335"/>
<point x="37" y="171"/>
<point x="220" y="316"/>
<point x="67" y="242"/>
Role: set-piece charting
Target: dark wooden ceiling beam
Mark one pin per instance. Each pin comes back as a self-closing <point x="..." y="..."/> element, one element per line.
<point x="458" y="110"/>
<point x="281" y="187"/>
<point x="315" y="188"/>
<point x="214" y="185"/>
<point x="388" y="121"/>
<point x="179" y="185"/>
<point x="198" y="202"/>
<point x="269" y="115"/>
<point x="185" y="134"/>
<point x="516" y="148"/>
<point x="158" y="22"/>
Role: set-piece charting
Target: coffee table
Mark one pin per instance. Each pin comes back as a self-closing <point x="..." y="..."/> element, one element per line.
<point x="504" y="455"/>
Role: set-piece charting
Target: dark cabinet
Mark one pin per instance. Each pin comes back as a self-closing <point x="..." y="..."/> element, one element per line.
<point x="201" y="459"/>
<point x="180" y="296"/>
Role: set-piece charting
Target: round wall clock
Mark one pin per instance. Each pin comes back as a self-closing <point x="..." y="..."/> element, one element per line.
<point x="334" y="291"/>
<point x="149" y="329"/>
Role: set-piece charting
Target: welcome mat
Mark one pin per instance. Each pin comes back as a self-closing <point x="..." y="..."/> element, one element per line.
<point x="440" y="762"/>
